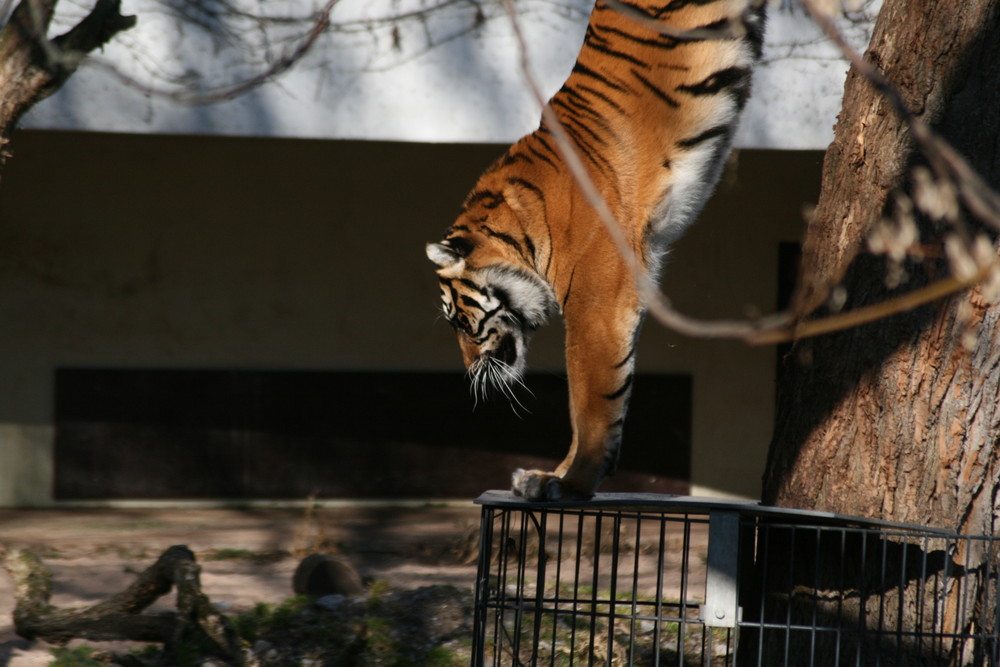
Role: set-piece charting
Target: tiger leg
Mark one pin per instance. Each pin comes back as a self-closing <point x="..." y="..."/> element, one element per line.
<point x="600" y="359"/>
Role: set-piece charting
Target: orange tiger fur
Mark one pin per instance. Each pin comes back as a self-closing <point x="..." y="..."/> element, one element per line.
<point x="653" y="118"/>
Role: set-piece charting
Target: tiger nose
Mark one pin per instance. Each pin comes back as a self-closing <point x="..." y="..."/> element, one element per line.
<point x="507" y="350"/>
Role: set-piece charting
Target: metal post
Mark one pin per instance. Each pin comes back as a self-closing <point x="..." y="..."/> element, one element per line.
<point x="721" y="608"/>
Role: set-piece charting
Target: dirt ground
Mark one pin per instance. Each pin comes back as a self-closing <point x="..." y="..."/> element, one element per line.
<point x="246" y="555"/>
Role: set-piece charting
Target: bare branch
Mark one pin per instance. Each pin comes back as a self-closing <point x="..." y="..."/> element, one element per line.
<point x="227" y="92"/>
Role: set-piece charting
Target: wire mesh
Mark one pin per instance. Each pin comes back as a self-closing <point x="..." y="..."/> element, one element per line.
<point x="641" y="581"/>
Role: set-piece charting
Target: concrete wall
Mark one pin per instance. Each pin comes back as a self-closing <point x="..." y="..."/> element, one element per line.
<point x="196" y="252"/>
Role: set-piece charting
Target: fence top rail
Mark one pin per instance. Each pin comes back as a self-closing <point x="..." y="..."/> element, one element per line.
<point x="670" y="503"/>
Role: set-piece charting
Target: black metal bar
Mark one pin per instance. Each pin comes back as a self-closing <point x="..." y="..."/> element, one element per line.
<point x="633" y="623"/>
<point x="901" y="603"/>
<point x="993" y="575"/>
<point x="882" y="588"/>
<point x="536" y="629"/>
<point x="576" y="582"/>
<point x="682" y="630"/>
<point x="557" y="589"/>
<point x="862" y="600"/>
<point x="660" y="564"/>
<point x="522" y="550"/>
<point x="762" y="561"/>
<point x="501" y="587"/>
<point x="817" y="555"/>
<point x="482" y="586"/>
<point x="841" y="585"/>
<point x="965" y="599"/>
<point x="595" y="583"/>
<point x="616" y="525"/>
<point x="790" y="594"/>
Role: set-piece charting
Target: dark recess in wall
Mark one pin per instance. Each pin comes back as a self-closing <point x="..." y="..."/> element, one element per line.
<point x="241" y="434"/>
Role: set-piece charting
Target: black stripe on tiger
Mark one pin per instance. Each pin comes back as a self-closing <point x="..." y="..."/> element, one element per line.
<point x="471" y="303"/>
<point x="677" y="5"/>
<point x="755" y="35"/>
<point x="581" y="102"/>
<point x="588" y="150"/>
<point x="620" y="391"/>
<point x="538" y="192"/>
<point x="611" y="82"/>
<point x="717" y="81"/>
<point x="628" y="356"/>
<point x="601" y="96"/>
<point x="721" y="27"/>
<point x="598" y="43"/>
<point x="574" y="106"/>
<point x="669" y="8"/>
<point x="653" y="88"/>
<point x="490" y="200"/>
<point x="711" y="133"/>
<point x="542" y="156"/>
<point x="586" y="128"/>
<point x="569" y="287"/>
<point x="511" y="158"/>
<point x="611" y="455"/>
<point x="537" y="136"/>
<point x="527" y="185"/>
<point x="472" y="285"/>
<point x="658" y="42"/>
<point x="505" y="238"/>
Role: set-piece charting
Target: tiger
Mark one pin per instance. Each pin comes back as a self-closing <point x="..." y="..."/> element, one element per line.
<point x="652" y="116"/>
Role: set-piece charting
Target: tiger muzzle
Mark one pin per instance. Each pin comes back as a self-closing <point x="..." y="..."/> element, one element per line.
<point x="506" y="351"/>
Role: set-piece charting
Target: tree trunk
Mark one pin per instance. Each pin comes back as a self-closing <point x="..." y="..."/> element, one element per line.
<point x="32" y="66"/>
<point x="899" y="419"/>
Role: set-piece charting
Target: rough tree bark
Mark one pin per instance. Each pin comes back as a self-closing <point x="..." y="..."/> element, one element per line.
<point x="899" y="419"/>
<point x="32" y="66"/>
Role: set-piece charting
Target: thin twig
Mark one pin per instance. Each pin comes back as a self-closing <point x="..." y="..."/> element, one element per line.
<point x="233" y="90"/>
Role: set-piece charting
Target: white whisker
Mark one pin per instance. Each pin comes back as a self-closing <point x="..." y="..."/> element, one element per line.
<point x="488" y="374"/>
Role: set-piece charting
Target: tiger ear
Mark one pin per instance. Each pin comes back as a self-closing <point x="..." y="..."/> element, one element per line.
<point x="521" y="199"/>
<point x="444" y="255"/>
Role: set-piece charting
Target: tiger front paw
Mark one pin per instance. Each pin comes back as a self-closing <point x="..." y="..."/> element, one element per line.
<point x="541" y="485"/>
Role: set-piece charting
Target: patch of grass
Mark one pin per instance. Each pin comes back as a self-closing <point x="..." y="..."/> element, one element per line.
<point x="273" y="618"/>
<point x="384" y="629"/>
<point x="77" y="656"/>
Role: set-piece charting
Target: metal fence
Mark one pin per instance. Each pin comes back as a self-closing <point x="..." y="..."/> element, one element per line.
<point x="641" y="579"/>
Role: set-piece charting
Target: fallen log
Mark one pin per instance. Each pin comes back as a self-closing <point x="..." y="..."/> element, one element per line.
<point x="120" y="617"/>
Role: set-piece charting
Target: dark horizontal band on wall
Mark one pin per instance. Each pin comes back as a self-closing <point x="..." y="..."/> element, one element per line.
<point x="243" y="434"/>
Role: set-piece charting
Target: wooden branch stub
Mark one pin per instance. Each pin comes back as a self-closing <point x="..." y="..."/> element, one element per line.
<point x="120" y="616"/>
<point x="32" y="67"/>
<point x="95" y="30"/>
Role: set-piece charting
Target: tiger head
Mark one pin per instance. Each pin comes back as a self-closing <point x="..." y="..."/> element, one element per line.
<point x="494" y="299"/>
